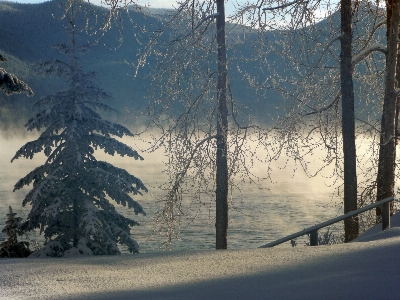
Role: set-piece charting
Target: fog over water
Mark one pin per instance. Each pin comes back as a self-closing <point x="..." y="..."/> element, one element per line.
<point x="262" y="212"/>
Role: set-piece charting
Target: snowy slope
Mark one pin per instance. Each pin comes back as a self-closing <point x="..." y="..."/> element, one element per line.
<point x="369" y="270"/>
<point x="376" y="233"/>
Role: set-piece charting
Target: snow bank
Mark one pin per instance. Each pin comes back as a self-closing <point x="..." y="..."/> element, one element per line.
<point x="375" y="232"/>
<point x="369" y="270"/>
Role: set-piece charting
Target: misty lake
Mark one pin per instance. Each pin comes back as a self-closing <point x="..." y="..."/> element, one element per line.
<point x="261" y="212"/>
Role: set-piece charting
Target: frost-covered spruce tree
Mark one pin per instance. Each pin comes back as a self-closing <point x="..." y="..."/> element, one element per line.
<point x="71" y="190"/>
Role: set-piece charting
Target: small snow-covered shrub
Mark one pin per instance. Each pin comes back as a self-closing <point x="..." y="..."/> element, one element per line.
<point x="11" y="248"/>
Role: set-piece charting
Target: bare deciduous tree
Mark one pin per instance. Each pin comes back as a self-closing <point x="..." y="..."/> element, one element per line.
<point x="348" y="121"/>
<point x="204" y="131"/>
<point x="313" y="85"/>
<point x="387" y="150"/>
<point x="194" y="109"/>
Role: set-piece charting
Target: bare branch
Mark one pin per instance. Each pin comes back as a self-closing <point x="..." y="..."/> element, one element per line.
<point x="285" y="5"/>
<point x="198" y="25"/>
<point x="334" y="102"/>
<point x="172" y="198"/>
<point x="356" y="59"/>
<point x="336" y="38"/>
<point x="179" y="176"/>
<point x="372" y="126"/>
<point x="376" y="27"/>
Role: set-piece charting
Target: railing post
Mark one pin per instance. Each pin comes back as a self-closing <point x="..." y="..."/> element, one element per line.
<point x="386" y="215"/>
<point x="314" y="238"/>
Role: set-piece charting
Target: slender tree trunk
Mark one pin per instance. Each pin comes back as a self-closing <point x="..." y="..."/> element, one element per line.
<point x="396" y="120"/>
<point x="387" y="150"/>
<point x="351" y="227"/>
<point x="221" y="222"/>
<point x="75" y="223"/>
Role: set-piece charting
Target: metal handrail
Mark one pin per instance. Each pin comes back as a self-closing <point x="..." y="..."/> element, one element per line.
<point x="313" y="230"/>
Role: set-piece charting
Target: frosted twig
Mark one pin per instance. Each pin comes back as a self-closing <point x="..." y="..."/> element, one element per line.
<point x="213" y="16"/>
<point x="285" y="5"/>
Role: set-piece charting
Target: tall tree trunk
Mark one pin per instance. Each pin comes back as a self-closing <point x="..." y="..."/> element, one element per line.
<point x="351" y="227"/>
<point x="221" y="222"/>
<point x="75" y="225"/>
<point x="396" y="120"/>
<point x="387" y="150"/>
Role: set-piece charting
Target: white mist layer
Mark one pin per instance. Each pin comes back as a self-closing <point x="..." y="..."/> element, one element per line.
<point x="272" y="208"/>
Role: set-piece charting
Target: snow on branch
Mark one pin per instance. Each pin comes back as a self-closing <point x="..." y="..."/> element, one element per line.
<point x="367" y="51"/>
<point x="356" y="58"/>
<point x="112" y="146"/>
<point x="10" y="84"/>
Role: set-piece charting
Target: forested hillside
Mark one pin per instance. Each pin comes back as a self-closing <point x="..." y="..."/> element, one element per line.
<point x="30" y="30"/>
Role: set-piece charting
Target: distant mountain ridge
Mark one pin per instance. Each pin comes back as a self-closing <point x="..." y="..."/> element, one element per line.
<point x="28" y="32"/>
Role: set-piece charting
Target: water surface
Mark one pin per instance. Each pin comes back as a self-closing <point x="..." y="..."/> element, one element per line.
<point x="260" y="213"/>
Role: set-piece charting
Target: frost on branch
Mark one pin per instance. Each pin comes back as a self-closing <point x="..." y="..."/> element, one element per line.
<point x="71" y="191"/>
<point x="10" y="84"/>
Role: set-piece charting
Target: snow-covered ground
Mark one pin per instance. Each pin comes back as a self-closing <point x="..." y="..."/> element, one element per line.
<point x="364" y="270"/>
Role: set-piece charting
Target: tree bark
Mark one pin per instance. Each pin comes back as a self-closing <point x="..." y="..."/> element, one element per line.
<point x="221" y="222"/>
<point x="351" y="226"/>
<point x="387" y="150"/>
<point x="396" y="120"/>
